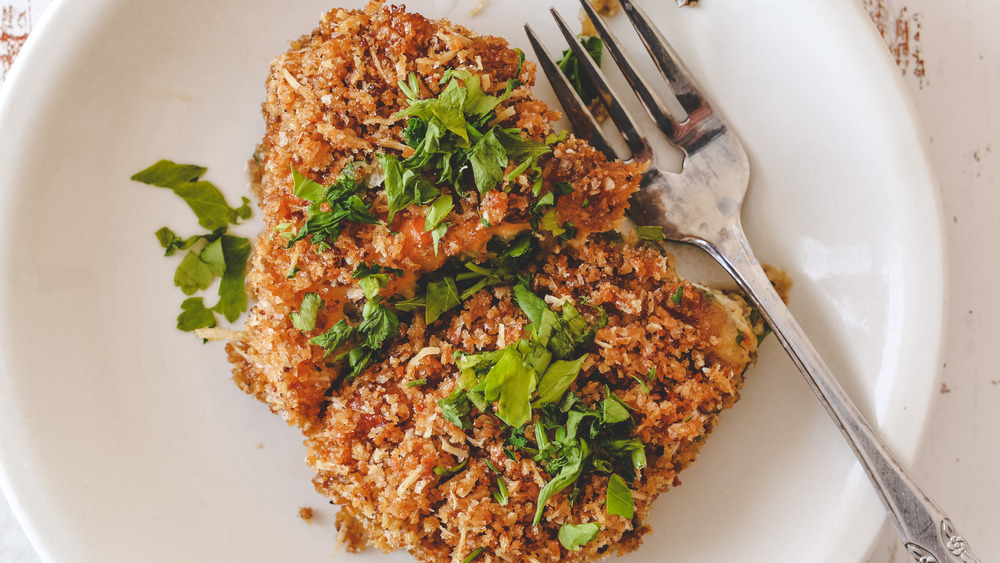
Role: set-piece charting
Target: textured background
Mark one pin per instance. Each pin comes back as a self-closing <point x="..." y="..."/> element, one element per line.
<point x="949" y="57"/>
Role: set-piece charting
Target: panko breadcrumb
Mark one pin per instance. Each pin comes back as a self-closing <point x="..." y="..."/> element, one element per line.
<point x="673" y="352"/>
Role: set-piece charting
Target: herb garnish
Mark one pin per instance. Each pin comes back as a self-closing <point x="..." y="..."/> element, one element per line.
<point x="446" y="472"/>
<point x="678" y="296"/>
<point x="378" y="325"/>
<point x="451" y="138"/>
<point x="472" y="556"/>
<point x="323" y="227"/>
<point x="457" y="281"/>
<point x="570" y="66"/>
<point x="532" y="376"/>
<point x="305" y="318"/>
<point x="650" y="232"/>
<point x="511" y="376"/>
<point x="619" y="498"/>
<point x="211" y="255"/>
<point x="575" y="536"/>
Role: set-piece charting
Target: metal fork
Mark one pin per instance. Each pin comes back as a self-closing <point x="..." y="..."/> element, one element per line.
<point x="701" y="206"/>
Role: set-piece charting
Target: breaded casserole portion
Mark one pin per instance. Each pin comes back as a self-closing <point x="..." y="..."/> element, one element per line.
<point x="481" y="364"/>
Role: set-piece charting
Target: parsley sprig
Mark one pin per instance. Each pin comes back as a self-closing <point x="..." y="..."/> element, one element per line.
<point x="211" y="255"/>
<point x="459" y="280"/>
<point x="329" y="207"/>
<point x="378" y="325"/>
<point x="452" y="137"/>
<point x="570" y="66"/>
<point x="530" y="380"/>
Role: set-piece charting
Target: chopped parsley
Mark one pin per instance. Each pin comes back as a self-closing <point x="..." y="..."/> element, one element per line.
<point x="650" y="232"/>
<point x="330" y="207"/>
<point x="457" y="281"/>
<point x="535" y="367"/>
<point x="472" y="556"/>
<point x="570" y="66"/>
<point x="575" y="536"/>
<point x="305" y="318"/>
<point x="378" y="324"/>
<point x="453" y="141"/>
<point x="209" y="256"/>
<point x="446" y="472"/>
<point x="619" y="498"/>
<point x="529" y="380"/>
<point x="678" y="296"/>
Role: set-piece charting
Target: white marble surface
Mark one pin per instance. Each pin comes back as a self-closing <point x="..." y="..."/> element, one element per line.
<point x="950" y="58"/>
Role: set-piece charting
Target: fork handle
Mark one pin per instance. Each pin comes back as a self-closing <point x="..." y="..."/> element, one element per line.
<point x="923" y="527"/>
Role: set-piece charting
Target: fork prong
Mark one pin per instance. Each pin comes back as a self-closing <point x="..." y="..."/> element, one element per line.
<point x="622" y="118"/>
<point x="682" y="83"/>
<point x="650" y="101"/>
<point x="579" y="116"/>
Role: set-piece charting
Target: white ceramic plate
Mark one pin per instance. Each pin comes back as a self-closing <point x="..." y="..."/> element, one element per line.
<point x="124" y="440"/>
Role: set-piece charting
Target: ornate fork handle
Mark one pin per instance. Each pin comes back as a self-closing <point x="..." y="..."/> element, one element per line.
<point x="924" y="528"/>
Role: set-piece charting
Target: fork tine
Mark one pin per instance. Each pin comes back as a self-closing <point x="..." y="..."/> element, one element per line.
<point x="650" y="101"/>
<point x="682" y="83"/>
<point x="626" y="125"/>
<point x="583" y="123"/>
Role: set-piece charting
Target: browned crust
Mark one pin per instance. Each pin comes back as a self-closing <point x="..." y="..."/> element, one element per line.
<point x="381" y="440"/>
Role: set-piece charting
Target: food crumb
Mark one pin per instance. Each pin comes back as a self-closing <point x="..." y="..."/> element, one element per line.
<point x="350" y="532"/>
<point x="606" y="8"/>
<point x="945" y="388"/>
<point x="480" y="5"/>
<point x="683" y="3"/>
<point x="306" y="514"/>
<point x="780" y="279"/>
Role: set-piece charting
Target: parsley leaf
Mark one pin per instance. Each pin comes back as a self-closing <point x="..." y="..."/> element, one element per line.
<point x="472" y="556"/>
<point x="171" y="243"/>
<point x="575" y="536"/>
<point x="378" y="325"/>
<point x="570" y="66"/>
<point x="305" y="318"/>
<point x="338" y="335"/>
<point x="194" y="315"/>
<point x="532" y="305"/>
<point x="222" y="255"/>
<point x="232" y="288"/>
<point x="207" y="202"/>
<point x="488" y="159"/>
<point x="437" y="211"/>
<point x="305" y="188"/>
<point x="441" y="296"/>
<point x="193" y="274"/>
<point x="613" y="409"/>
<point x="395" y="189"/>
<point x="650" y="232"/>
<point x="678" y="297"/>
<point x="455" y="407"/>
<point x="619" y="498"/>
<point x="557" y="379"/>
<point x="442" y="471"/>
